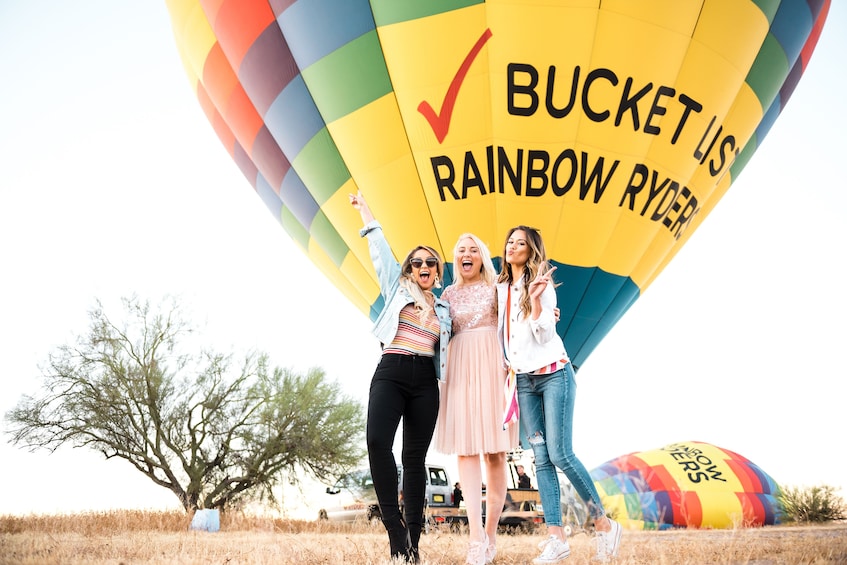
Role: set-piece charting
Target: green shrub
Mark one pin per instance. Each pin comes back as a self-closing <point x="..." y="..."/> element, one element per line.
<point x="813" y="504"/>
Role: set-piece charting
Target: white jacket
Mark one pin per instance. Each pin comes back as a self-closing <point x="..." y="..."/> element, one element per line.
<point x="531" y="344"/>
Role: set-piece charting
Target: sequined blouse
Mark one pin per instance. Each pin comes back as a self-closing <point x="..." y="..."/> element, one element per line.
<point x="472" y="305"/>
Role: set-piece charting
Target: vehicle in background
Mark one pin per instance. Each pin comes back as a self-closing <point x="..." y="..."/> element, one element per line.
<point x="353" y="498"/>
<point x="439" y="491"/>
<point x="521" y="512"/>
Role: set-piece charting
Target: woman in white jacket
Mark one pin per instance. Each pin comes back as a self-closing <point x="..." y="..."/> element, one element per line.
<point x="545" y="389"/>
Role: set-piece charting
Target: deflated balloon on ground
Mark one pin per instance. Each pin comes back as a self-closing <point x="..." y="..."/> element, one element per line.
<point x="687" y="484"/>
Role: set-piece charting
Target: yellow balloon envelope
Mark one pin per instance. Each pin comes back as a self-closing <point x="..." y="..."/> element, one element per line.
<point x="614" y="127"/>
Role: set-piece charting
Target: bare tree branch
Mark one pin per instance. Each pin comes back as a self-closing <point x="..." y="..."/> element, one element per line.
<point x="216" y="436"/>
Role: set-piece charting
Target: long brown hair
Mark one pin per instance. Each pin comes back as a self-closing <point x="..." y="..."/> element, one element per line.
<point x="535" y="263"/>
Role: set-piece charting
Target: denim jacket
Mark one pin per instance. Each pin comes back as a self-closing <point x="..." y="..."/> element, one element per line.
<point x="388" y="273"/>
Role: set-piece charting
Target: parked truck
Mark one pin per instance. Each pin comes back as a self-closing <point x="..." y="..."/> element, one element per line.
<point x="352" y="497"/>
<point x="521" y="512"/>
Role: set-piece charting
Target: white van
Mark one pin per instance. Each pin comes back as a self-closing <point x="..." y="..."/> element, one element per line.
<point x="352" y="497"/>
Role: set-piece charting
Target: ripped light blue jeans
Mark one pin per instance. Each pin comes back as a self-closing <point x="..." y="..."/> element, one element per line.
<point x="546" y="403"/>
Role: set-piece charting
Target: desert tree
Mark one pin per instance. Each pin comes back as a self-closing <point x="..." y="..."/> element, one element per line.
<point x="216" y="432"/>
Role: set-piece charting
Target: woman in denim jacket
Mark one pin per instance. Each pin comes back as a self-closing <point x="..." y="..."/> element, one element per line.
<point x="413" y="328"/>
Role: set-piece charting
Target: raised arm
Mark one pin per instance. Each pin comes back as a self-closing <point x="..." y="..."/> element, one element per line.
<point x="358" y="202"/>
<point x="386" y="266"/>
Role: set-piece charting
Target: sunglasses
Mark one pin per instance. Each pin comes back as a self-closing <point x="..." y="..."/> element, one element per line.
<point x="417" y="262"/>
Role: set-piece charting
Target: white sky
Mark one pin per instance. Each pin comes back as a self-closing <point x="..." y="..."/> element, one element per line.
<point x="112" y="182"/>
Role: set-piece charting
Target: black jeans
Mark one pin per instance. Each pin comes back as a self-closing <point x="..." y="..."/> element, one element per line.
<point x="403" y="386"/>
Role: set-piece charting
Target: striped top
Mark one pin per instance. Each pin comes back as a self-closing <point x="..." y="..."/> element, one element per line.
<point x="551" y="368"/>
<point x="414" y="336"/>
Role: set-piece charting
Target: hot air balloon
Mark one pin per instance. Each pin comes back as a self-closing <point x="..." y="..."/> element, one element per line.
<point x="687" y="484"/>
<point x="614" y="127"/>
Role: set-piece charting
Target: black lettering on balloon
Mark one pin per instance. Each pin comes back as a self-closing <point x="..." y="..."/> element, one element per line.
<point x="516" y="92"/>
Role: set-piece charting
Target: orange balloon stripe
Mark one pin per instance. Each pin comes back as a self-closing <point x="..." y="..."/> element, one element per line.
<point x="691" y="511"/>
<point x="238" y="24"/>
<point x="748" y="481"/>
<point x="217" y="78"/>
<point x="752" y="509"/>
<point x="661" y="479"/>
<point x="633" y="463"/>
<point x="230" y="99"/>
<point x="243" y="118"/>
<point x="211" y="8"/>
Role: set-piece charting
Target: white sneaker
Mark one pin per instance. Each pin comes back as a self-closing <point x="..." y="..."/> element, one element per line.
<point x="555" y="550"/>
<point x="608" y="543"/>
<point x="476" y="552"/>
<point x="490" y="553"/>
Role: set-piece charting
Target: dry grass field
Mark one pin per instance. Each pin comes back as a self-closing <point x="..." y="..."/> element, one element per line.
<point x="127" y="537"/>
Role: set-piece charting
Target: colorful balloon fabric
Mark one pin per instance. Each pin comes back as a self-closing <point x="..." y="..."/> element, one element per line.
<point x="688" y="484"/>
<point x="614" y="127"/>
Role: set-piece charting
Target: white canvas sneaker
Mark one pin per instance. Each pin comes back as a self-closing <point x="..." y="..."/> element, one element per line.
<point x="555" y="550"/>
<point x="608" y="543"/>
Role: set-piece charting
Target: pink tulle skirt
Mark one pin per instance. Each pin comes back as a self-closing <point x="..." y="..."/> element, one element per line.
<point x="470" y="417"/>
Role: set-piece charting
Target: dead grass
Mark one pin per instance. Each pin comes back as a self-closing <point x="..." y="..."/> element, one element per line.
<point x="126" y="537"/>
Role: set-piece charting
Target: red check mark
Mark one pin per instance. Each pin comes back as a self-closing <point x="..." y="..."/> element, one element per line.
<point x="440" y="123"/>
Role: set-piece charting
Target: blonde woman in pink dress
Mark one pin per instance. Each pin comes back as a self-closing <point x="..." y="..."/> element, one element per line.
<point x="470" y="418"/>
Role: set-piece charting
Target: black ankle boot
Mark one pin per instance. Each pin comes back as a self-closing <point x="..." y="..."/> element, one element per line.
<point x="398" y="537"/>
<point x="414" y="538"/>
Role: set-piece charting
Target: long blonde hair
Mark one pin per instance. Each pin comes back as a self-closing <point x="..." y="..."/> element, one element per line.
<point x="408" y="282"/>
<point x="535" y="263"/>
<point x="487" y="274"/>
